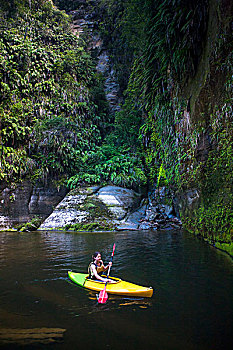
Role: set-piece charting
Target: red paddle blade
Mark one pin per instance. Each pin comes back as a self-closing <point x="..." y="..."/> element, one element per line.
<point x="103" y="297"/>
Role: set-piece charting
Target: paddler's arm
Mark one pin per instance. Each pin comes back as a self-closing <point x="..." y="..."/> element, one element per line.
<point x="98" y="277"/>
<point x="107" y="267"/>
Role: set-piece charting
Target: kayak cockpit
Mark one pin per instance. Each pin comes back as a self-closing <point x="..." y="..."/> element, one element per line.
<point x="114" y="280"/>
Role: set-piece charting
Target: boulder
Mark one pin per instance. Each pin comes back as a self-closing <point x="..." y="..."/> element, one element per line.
<point x="119" y="200"/>
<point x="133" y="219"/>
<point x="93" y="207"/>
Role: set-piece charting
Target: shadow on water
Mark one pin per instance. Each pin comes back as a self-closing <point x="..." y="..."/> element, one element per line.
<point x="191" y="308"/>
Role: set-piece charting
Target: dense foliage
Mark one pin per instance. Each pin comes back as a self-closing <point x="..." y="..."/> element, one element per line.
<point x="49" y="94"/>
<point x="180" y="96"/>
<point x="54" y="115"/>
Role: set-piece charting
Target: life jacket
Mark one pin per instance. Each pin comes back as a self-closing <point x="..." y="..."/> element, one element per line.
<point x="99" y="270"/>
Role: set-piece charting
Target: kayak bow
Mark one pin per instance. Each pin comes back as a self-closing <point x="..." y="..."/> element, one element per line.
<point x="118" y="287"/>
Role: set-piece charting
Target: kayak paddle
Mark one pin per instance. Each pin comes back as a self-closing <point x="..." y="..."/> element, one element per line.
<point x="103" y="296"/>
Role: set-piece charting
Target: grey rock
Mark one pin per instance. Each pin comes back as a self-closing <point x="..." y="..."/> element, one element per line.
<point x="5" y="223"/>
<point x="192" y="196"/>
<point x="166" y="210"/>
<point x="145" y="226"/>
<point x="127" y="226"/>
<point x="136" y="216"/>
<point x="24" y="202"/>
<point x="66" y="212"/>
<point x="108" y="205"/>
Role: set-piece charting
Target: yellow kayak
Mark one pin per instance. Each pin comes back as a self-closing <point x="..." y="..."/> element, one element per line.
<point x="117" y="286"/>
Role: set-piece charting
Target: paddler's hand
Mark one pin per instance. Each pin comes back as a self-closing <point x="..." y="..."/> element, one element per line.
<point x="109" y="264"/>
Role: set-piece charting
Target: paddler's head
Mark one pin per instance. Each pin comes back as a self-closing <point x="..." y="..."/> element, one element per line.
<point x="96" y="257"/>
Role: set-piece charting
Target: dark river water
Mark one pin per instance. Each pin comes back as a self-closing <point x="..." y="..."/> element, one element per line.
<point x="192" y="305"/>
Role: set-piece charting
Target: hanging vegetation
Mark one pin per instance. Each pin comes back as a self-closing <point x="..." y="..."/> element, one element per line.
<point x="49" y="113"/>
<point x="180" y="96"/>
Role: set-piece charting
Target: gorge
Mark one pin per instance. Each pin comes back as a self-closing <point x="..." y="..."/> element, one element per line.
<point x="134" y="95"/>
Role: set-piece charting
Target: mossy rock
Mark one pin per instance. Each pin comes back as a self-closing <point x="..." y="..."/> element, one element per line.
<point x="227" y="247"/>
<point x="96" y="208"/>
<point x="91" y="226"/>
<point x="33" y="225"/>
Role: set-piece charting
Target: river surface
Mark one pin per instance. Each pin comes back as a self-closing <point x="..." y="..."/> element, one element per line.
<point x="192" y="305"/>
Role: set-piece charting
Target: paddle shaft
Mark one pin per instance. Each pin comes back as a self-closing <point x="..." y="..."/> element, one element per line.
<point x="111" y="260"/>
<point x="103" y="296"/>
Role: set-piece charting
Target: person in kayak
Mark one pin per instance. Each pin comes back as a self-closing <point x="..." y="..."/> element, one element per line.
<point x="96" y="268"/>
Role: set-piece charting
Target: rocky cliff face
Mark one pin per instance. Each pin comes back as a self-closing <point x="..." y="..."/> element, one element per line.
<point x="86" y="209"/>
<point x="206" y="119"/>
<point x="111" y="208"/>
<point x="86" y="21"/>
<point x="26" y="201"/>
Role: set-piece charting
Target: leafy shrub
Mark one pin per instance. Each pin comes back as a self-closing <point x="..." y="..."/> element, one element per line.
<point x="109" y="164"/>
